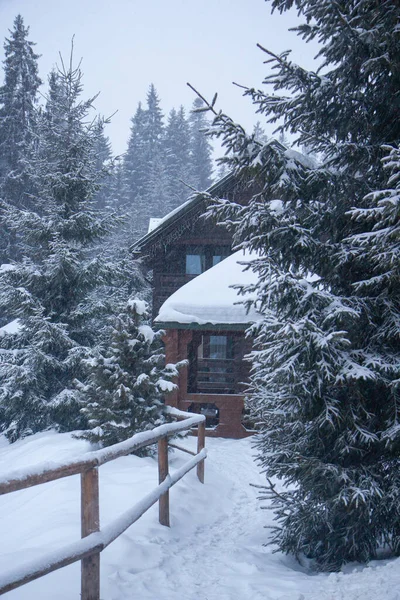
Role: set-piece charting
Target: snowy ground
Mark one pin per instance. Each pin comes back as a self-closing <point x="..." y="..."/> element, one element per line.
<point x="213" y="549"/>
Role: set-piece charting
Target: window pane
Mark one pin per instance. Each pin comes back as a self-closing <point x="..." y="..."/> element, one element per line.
<point x="218" y="346"/>
<point x="195" y="264"/>
<point x="217" y="259"/>
<point x="219" y="253"/>
<point x="200" y="348"/>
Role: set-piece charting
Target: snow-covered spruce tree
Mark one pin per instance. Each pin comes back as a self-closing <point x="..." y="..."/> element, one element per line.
<point x="52" y="290"/>
<point x="153" y="201"/>
<point x="144" y="164"/>
<point x="154" y="127"/>
<point x="128" y="380"/>
<point x="18" y="98"/>
<point x="259" y="133"/>
<point x="326" y="368"/>
<point x="105" y="167"/>
<point x="135" y="167"/>
<point x="177" y="158"/>
<point x="200" y="148"/>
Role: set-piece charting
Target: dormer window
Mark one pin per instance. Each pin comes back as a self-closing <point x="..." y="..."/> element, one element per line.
<point x="195" y="262"/>
<point x="201" y="258"/>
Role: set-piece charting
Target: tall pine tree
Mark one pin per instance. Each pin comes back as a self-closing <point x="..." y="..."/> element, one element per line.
<point x="154" y="198"/>
<point x="144" y="163"/>
<point x="177" y="158"/>
<point x="52" y="291"/>
<point x="326" y="369"/>
<point x="135" y="157"/>
<point x="200" y="148"/>
<point x="18" y="98"/>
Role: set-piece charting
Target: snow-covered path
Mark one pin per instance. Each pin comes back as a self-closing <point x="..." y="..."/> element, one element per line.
<point x="213" y="549"/>
<point x="221" y="557"/>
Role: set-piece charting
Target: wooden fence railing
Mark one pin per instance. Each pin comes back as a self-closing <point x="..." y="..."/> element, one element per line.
<point x="94" y="539"/>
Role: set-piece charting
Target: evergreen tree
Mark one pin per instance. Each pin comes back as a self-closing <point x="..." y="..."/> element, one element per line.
<point x="18" y="97"/>
<point x="104" y="167"/>
<point x="153" y="201"/>
<point x="200" y="148"/>
<point x="135" y="166"/>
<point x="128" y="380"/>
<point x="259" y="133"/>
<point x="326" y="370"/>
<point x="145" y="165"/>
<point x="52" y="290"/>
<point x="176" y="149"/>
<point x="160" y="158"/>
<point x="133" y="184"/>
<point x="154" y="127"/>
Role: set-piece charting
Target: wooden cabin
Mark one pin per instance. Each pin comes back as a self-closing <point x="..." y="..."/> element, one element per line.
<point x="193" y="270"/>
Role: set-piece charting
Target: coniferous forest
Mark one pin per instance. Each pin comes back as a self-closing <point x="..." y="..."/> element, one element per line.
<point x="323" y="228"/>
<point x="68" y="213"/>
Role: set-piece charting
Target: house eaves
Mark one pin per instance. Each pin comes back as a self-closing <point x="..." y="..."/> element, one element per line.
<point x="181" y="218"/>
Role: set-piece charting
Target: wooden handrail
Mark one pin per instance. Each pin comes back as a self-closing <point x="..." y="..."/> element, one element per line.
<point x="94" y="540"/>
<point x="49" y="472"/>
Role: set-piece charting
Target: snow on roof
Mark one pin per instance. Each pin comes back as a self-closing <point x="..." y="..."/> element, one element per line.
<point x="192" y="203"/>
<point x="6" y="267"/>
<point x="153" y="223"/>
<point x="210" y="298"/>
<point x="12" y="327"/>
<point x="307" y="161"/>
<point x="156" y="222"/>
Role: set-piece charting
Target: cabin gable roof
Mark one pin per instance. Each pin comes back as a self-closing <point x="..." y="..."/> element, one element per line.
<point x="174" y="225"/>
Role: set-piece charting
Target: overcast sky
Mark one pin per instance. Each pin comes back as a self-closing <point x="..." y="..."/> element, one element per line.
<point x="127" y="44"/>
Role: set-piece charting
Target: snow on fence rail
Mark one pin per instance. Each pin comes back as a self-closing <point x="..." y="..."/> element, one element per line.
<point x="93" y="539"/>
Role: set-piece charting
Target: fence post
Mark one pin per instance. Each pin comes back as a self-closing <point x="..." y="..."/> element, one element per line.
<point x="201" y="442"/>
<point x="90" y="522"/>
<point x="163" y="503"/>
